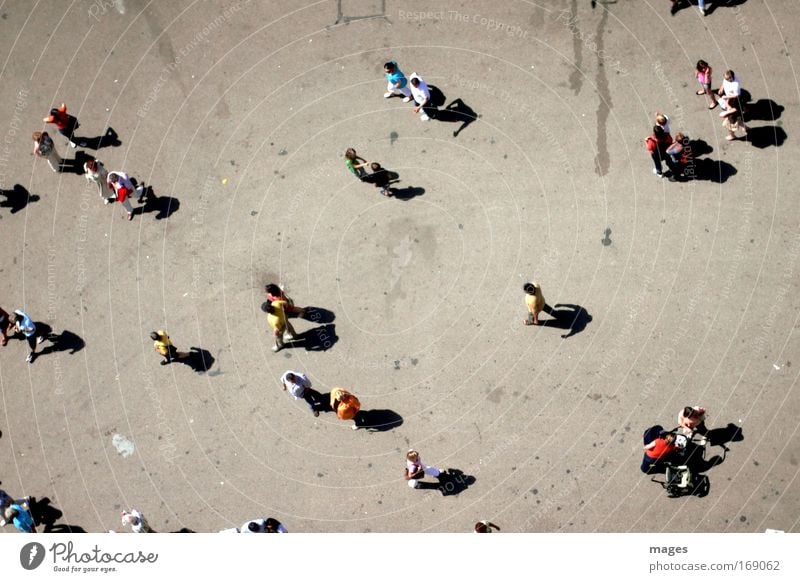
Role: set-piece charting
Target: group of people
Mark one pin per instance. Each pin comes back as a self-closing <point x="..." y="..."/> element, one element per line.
<point x="112" y="186"/>
<point x="661" y="447"/>
<point x="677" y="152"/>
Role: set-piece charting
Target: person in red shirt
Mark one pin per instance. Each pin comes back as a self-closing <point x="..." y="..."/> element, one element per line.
<point x="65" y="123"/>
<point x="658" y="452"/>
<point x="123" y="188"/>
<point x="657" y="145"/>
<point x="275" y="293"/>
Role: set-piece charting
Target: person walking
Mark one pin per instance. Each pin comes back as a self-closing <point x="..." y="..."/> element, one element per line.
<point x="122" y="186"/>
<point x="351" y="160"/>
<point x="281" y="328"/>
<point x="657" y="145"/>
<point x="276" y="293"/>
<point x="734" y="122"/>
<point x="422" y="97"/>
<point x="535" y="302"/>
<point x="7" y="501"/>
<point x="703" y="75"/>
<point x="345" y="405"/>
<point x="96" y="173"/>
<point x="5" y="323"/>
<point x="65" y="123"/>
<point x="163" y="346"/>
<point x="43" y="147"/>
<point x="416" y="470"/>
<point x="397" y="84"/>
<point x="24" y="324"/>
<point x="729" y="92"/>
<point x="299" y="386"/>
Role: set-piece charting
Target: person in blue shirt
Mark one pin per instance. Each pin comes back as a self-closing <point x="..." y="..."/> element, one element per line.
<point x="20" y="517"/>
<point x="397" y="84"/>
<point x="24" y="324"/>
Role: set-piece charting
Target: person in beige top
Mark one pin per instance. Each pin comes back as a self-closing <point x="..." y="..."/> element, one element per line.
<point x="534" y="300"/>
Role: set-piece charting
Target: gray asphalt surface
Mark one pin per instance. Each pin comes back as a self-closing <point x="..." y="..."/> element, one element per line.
<point x="237" y="114"/>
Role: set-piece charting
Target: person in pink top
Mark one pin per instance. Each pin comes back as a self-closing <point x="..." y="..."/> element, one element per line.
<point x="693" y="419"/>
<point x="703" y="74"/>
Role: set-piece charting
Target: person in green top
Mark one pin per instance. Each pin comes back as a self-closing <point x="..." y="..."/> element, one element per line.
<point x="351" y="160"/>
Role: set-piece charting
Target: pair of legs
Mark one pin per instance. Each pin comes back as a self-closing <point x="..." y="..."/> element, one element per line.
<point x="404" y="91"/>
<point x="533" y="317"/>
<point x="313" y="399"/>
<point x="281" y="334"/>
<point x="710" y="95"/>
<point x="33" y="340"/>
<point x="126" y="204"/>
<point x="426" y="470"/>
<point x="426" y="112"/>
<point x="173" y="355"/>
<point x="69" y="131"/>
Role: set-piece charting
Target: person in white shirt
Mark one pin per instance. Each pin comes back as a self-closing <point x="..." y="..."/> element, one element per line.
<point x="299" y="386"/>
<point x="729" y="93"/>
<point x="422" y="96"/>
<point x="416" y="469"/>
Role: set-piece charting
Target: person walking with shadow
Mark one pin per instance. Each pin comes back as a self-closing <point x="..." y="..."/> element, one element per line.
<point x="535" y="302"/>
<point x="299" y="386"/>
<point x="396" y="82"/>
<point x="24" y="324"/>
<point x="416" y="470"/>
<point x="122" y="186"/>
<point x="281" y="328"/>
<point x="163" y="346"/>
<point x="96" y="173"/>
<point x="355" y="163"/>
<point x="422" y="97"/>
<point x="345" y="405"/>
<point x="276" y="293"/>
<point x="43" y="147"/>
<point x="485" y="526"/>
<point x="65" y="123"/>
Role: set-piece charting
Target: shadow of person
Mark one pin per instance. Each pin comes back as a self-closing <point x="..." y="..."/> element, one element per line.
<point x="318" y="315"/>
<point x="712" y="6"/>
<point x="163" y="206"/>
<point x="407" y="193"/>
<point x="184" y="530"/>
<point x="43" y="513"/>
<point x="457" y="112"/>
<point x="438" y="98"/>
<point x="711" y="170"/>
<point x="108" y="139"/>
<point x="567" y="316"/>
<point x="722" y="436"/>
<point x="318" y="339"/>
<point x="17" y="198"/>
<point x="63" y="528"/>
<point x="763" y="109"/>
<point x="699" y="147"/>
<point x="377" y="420"/>
<point x="766" y="136"/>
<point x="75" y="165"/>
<point x="454" y="481"/>
<point x="198" y="359"/>
<point x="66" y="341"/>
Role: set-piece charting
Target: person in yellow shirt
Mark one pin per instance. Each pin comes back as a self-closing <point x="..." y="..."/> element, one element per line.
<point x="276" y="317"/>
<point x="534" y="300"/>
<point x="163" y="345"/>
